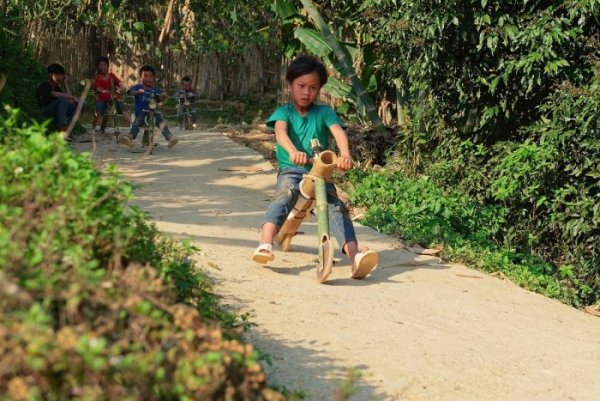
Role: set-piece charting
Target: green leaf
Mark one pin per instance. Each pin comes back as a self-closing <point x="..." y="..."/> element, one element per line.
<point x="350" y="49"/>
<point x="314" y="41"/>
<point x="343" y="108"/>
<point x="139" y="26"/>
<point x="541" y="201"/>
<point x="337" y="88"/>
<point x="285" y="9"/>
<point x="290" y="49"/>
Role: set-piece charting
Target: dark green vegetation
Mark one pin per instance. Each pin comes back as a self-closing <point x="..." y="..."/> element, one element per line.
<point x="419" y="211"/>
<point x="22" y="71"/>
<point x="496" y="101"/>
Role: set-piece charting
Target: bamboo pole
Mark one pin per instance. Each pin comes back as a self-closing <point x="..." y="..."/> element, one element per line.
<point x="163" y="38"/>
<point x="400" y="103"/>
<point x="325" y="245"/>
<point x="197" y="72"/>
<point x="86" y="89"/>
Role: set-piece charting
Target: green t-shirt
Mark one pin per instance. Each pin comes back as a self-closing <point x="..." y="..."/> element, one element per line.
<point x="302" y="130"/>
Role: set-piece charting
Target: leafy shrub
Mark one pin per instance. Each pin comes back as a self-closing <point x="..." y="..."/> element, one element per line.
<point x="94" y="304"/>
<point x="482" y="66"/>
<point x="420" y="212"/>
<point x="551" y="187"/>
<point x="548" y="184"/>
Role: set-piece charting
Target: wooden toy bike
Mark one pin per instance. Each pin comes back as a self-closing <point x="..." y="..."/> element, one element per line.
<point x="313" y="193"/>
<point x="148" y="138"/>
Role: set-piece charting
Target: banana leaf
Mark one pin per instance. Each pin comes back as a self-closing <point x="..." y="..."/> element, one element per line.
<point x="313" y="41"/>
<point x="343" y="57"/>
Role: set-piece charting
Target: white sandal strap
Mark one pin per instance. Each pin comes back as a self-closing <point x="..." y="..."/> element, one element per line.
<point x="265" y="247"/>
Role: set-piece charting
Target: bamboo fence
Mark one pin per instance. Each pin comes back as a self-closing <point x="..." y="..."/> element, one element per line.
<point x="215" y="75"/>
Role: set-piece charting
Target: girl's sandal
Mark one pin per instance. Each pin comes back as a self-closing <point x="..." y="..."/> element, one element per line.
<point x="263" y="253"/>
<point x="364" y="262"/>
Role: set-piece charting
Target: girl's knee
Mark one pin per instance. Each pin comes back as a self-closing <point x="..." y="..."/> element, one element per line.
<point x="285" y="191"/>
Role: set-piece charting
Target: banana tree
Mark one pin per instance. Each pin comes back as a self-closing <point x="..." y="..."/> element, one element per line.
<point x="323" y="43"/>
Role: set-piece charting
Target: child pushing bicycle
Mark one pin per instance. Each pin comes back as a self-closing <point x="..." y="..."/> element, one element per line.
<point x="186" y="95"/>
<point x="145" y="93"/>
<point x="296" y="125"/>
<point x="108" y="93"/>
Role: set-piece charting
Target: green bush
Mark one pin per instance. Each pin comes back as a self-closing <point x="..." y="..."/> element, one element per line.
<point x="550" y="186"/>
<point x="480" y="66"/>
<point x="94" y="304"/>
<point x="420" y="212"/>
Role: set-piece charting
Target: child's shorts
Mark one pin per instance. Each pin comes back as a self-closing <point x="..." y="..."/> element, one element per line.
<point x="102" y="106"/>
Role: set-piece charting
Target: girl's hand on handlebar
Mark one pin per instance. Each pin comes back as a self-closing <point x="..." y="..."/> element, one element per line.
<point x="344" y="162"/>
<point x="299" y="158"/>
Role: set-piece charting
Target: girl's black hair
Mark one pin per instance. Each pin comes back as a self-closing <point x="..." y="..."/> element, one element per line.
<point x="101" y="59"/>
<point x="186" y="79"/>
<point x="303" y="65"/>
<point x="147" y="68"/>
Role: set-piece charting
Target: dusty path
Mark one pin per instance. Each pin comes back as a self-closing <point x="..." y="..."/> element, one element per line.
<point x="417" y="330"/>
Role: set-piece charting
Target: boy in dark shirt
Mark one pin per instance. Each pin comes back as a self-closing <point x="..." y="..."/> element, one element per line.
<point x="55" y="98"/>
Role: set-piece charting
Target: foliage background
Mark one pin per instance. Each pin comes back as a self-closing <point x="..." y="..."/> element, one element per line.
<point x="226" y="47"/>
<point x="495" y="100"/>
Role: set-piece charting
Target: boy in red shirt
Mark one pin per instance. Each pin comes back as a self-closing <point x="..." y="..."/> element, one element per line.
<point x="105" y="84"/>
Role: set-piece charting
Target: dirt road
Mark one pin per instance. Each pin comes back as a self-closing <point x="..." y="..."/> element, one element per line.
<point x="416" y="329"/>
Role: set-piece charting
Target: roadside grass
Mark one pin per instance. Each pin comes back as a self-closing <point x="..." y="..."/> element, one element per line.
<point x="245" y="110"/>
<point x="418" y="212"/>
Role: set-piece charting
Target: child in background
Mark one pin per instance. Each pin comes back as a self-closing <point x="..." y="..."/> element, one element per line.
<point x="105" y="83"/>
<point x="55" y="98"/>
<point x="142" y="93"/>
<point x="186" y="92"/>
<point x="296" y="124"/>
